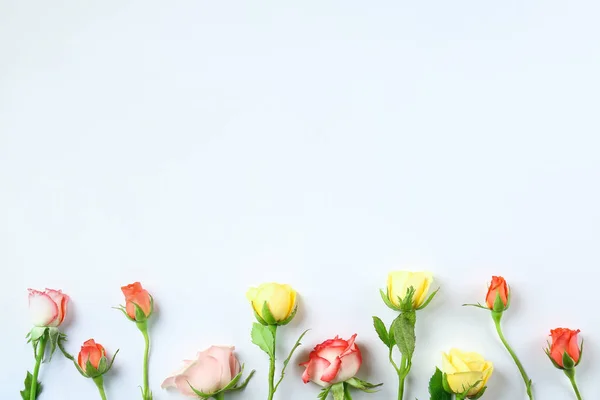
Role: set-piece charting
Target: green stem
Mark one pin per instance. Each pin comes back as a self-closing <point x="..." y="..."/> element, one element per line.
<point x="497" y="316"/>
<point x="39" y="356"/>
<point x="99" y="381"/>
<point x="570" y="373"/>
<point x="402" y="374"/>
<point x="219" y="396"/>
<point x="273" y="329"/>
<point x="143" y="327"/>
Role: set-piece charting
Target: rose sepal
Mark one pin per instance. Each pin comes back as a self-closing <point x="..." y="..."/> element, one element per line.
<point x="499" y="306"/>
<point x="140" y="316"/>
<point x="426" y="303"/>
<point x="231" y="386"/>
<point x="365" y="386"/>
<point x="464" y="394"/>
<point x="92" y="372"/>
<point x="54" y="337"/>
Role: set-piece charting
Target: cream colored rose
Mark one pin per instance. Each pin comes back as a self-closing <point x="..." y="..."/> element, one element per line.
<point x="399" y="281"/>
<point x="466" y="371"/>
<point x="280" y="299"/>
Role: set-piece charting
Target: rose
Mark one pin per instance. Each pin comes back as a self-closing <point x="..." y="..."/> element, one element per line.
<point x="136" y="295"/>
<point x="398" y="283"/>
<point x="92" y="359"/>
<point x="498" y="287"/>
<point x="564" y="341"/>
<point x="47" y="308"/>
<point x="466" y="372"/>
<point x="211" y="371"/>
<point x="333" y="361"/>
<point x="279" y="300"/>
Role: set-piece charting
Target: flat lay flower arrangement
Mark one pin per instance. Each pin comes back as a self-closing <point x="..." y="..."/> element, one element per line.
<point x="333" y="365"/>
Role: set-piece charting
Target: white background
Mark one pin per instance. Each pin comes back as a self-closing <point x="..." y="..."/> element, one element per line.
<point x="204" y="147"/>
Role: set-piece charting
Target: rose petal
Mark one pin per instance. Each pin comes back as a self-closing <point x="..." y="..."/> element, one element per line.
<point x="42" y="309"/>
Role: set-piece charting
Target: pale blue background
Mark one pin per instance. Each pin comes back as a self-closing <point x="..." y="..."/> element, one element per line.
<point x="202" y="147"/>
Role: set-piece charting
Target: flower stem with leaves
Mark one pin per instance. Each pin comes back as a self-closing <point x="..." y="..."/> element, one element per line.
<point x="40" y="350"/>
<point x="501" y="302"/>
<point x="264" y="335"/>
<point x="401" y="333"/>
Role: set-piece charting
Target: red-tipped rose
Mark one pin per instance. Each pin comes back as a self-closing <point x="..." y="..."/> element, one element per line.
<point x="564" y="340"/>
<point x="497" y="287"/>
<point x="135" y="294"/>
<point x="334" y="360"/>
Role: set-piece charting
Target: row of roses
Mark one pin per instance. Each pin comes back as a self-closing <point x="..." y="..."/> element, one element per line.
<point x="332" y="364"/>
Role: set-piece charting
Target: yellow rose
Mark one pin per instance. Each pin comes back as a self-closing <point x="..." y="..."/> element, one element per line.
<point x="466" y="370"/>
<point x="280" y="299"/>
<point x="399" y="281"/>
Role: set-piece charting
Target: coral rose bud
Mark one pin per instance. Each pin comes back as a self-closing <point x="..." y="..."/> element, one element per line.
<point x="211" y="371"/>
<point x="498" y="287"/>
<point x="47" y="308"/>
<point x="136" y="295"/>
<point x="398" y="283"/>
<point x="466" y="372"/>
<point x="92" y="352"/>
<point x="333" y="361"/>
<point x="564" y="341"/>
<point x="279" y="299"/>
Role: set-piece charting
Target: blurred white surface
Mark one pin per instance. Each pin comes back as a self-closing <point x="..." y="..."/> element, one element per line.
<point x="204" y="147"/>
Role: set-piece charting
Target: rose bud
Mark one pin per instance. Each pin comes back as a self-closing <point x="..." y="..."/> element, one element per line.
<point x="466" y="372"/>
<point x="211" y="371"/>
<point x="498" y="289"/>
<point x="399" y="282"/>
<point x="273" y="303"/>
<point x="47" y="308"/>
<point x="564" y="351"/>
<point x="92" y="361"/>
<point x="333" y="361"/>
<point x="138" y="302"/>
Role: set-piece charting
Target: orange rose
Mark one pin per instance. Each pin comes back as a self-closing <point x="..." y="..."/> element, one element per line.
<point x="135" y="294"/>
<point x="498" y="286"/>
<point x="564" y="340"/>
<point x="92" y="352"/>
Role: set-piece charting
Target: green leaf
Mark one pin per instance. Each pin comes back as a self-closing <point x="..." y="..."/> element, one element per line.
<point x="289" y="357"/>
<point x="338" y="391"/>
<point x="436" y="387"/>
<point x="263" y="338"/>
<point x="381" y="330"/>
<point x="404" y="333"/>
<point x="322" y="395"/>
<point x="26" y="393"/>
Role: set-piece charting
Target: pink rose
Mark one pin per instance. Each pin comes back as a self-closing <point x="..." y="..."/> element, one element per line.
<point x="47" y="308"/>
<point x="334" y="360"/>
<point x="211" y="371"/>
